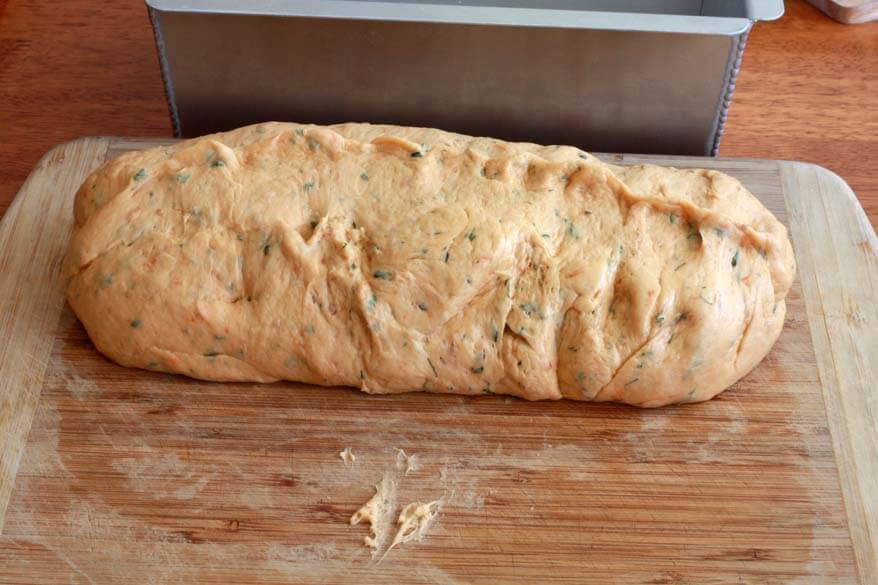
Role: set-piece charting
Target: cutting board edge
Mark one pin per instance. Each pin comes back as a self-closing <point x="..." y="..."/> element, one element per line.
<point x="33" y="324"/>
<point x="841" y="300"/>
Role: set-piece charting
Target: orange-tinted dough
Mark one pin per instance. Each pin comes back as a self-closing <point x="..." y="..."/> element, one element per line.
<point x="397" y="259"/>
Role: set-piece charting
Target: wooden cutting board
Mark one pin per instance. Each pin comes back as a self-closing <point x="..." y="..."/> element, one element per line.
<point x="849" y="11"/>
<point x="113" y="475"/>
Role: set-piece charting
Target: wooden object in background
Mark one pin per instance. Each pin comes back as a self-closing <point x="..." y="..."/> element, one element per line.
<point x="849" y="11"/>
<point x="138" y="477"/>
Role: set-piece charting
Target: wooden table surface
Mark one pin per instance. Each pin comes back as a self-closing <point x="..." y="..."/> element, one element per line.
<point x="808" y="89"/>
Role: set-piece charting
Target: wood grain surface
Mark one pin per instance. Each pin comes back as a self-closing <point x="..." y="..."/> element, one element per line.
<point x="849" y="11"/>
<point x="139" y="477"/>
<point x="808" y="88"/>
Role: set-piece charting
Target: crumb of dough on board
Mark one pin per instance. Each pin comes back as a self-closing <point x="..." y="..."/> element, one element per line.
<point x="413" y="521"/>
<point x="376" y="513"/>
<point x="347" y="456"/>
<point x="406" y="462"/>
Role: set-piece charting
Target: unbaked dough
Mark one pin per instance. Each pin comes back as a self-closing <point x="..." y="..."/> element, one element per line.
<point x="396" y="259"/>
<point x="414" y="520"/>
<point x="347" y="456"/>
<point x="376" y="513"/>
<point x="405" y="462"/>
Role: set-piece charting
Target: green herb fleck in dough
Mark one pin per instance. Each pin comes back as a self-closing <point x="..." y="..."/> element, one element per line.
<point x="682" y="317"/>
<point x="631" y="381"/>
<point x="308" y="185"/>
<point x="300" y="132"/>
<point x="383" y="274"/>
<point x="719" y="232"/>
<point x="679" y="266"/>
<point x="417" y="154"/>
<point x="217" y="163"/>
<point x="422" y="306"/>
<point x="531" y="309"/>
<point x="373" y="300"/>
<point x="432" y="367"/>
<point x="546" y="236"/>
<point x="471" y="236"/>
<point x="313" y="224"/>
<point x="309" y="329"/>
<point x="211" y="354"/>
<point x="140" y="175"/>
<point x="447" y="256"/>
<point x="364" y="176"/>
<point x="266" y="249"/>
<point x="572" y="230"/>
<point x="495" y="334"/>
<point x="735" y="258"/>
<point x="688" y="397"/>
<point x="219" y="337"/>
<point x="659" y="319"/>
<point x="572" y="348"/>
<point x="580" y="376"/>
<point x="313" y="144"/>
<point x="136" y="323"/>
<point x="182" y="178"/>
<point x="478" y="370"/>
<point x="672" y="218"/>
<point x="487" y="390"/>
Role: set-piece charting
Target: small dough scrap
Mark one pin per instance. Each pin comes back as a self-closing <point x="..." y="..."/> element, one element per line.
<point x="347" y="456"/>
<point x="414" y="520"/>
<point x="406" y="463"/>
<point x="376" y="512"/>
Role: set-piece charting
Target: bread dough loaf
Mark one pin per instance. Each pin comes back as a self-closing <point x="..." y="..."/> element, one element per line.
<point x="396" y="259"/>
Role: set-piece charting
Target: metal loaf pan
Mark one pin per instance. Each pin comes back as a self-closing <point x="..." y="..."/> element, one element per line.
<point x="650" y="76"/>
